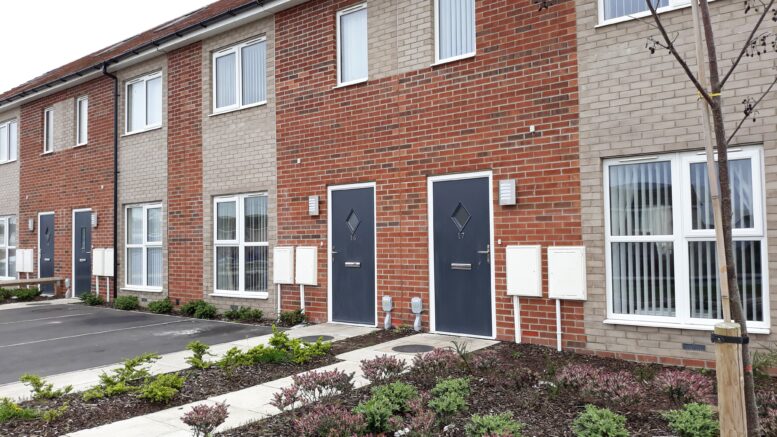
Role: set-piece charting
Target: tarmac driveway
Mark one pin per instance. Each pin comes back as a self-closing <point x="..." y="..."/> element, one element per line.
<point x="52" y="339"/>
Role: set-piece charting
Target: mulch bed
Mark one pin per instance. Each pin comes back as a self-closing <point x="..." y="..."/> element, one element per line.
<point x="544" y="410"/>
<point x="200" y="384"/>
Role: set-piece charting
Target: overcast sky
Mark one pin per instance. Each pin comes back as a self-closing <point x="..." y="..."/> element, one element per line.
<point x="41" y="35"/>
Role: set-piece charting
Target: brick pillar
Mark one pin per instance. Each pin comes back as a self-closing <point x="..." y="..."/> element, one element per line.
<point x="184" y="173"/>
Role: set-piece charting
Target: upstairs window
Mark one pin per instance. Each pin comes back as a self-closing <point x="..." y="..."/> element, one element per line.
<point x="352" y="45"/>
<point x="8" y="247"/>
<point x="48" y="130"/>
<point x="82" y="121"/>
<point x="144" y="247"/>
<point x="454" y="29"/>
<point x="144" y="103"/>
<point x="9" y="141"/>
<point x="617" y="10"/>
<point x="240" y="76"/>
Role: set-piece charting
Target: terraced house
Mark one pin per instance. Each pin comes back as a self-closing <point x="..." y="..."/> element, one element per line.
<point x="460" y="153"/>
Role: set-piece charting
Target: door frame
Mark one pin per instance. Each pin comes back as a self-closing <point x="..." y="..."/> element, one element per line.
<point x="430" y="204"/>
<point x="330" y="189"/>
<point x="73" y="249"/>
<point x="37" y="243"/>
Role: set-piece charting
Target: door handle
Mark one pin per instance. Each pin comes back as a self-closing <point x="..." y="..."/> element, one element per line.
<point x="82" y="260"/>
<point x="486" y="252"/>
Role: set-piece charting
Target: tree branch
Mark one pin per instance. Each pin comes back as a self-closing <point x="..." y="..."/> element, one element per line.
<point x="752" y="109"/>
<point x="677" y="56"/>
<point x="747" y="44"/>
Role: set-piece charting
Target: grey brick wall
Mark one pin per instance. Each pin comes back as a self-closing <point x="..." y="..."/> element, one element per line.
<point x="142" y="169"/>
<point x="634" y="103"/>
<point x="238" y="154"/>
<point x="9" y="176"/>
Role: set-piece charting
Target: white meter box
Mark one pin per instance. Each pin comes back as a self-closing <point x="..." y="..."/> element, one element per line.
<point x="24" y="261"/>
<point x="566" y="273"/>
<point x="98" y="262"/>
<point x="524" y="271"/>
<point x="283" y="265"/>
<point x="108" y="263"/>
<point x="307" y="265"/>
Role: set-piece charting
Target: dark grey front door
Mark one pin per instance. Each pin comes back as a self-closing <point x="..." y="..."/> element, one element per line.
<point x="353" y="255"/>
<point x="462" y="256"/>
<point x="46" y="248"/>
<point x="82" y="252"/>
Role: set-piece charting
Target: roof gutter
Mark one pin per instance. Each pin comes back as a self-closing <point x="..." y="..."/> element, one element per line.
<point x="214" y="25"/>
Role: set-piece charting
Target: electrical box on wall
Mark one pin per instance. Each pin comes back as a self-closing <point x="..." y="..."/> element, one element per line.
<point x="108" y="263"/>
<point x="307" y="265"/>
<point x="283" y="265"/>
<point x="24" y="261"/>
<point x="524" y="271"/>
<point x="566" y="273"/>
<point x="98" y="262"/>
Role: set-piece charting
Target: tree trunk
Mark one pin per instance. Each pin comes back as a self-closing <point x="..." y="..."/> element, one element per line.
<point x="721" y="140"/>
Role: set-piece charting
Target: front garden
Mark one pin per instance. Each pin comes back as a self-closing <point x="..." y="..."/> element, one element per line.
<point x="8" y="295"/>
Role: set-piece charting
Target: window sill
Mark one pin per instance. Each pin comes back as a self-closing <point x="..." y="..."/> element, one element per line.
<point x="80" y="145"/>
<point x="242" y="295"/>
<point x="353" y="82"/>
<point x="142" y="131"/>
<point x="228" y="111"/>
<point x="750" y="329"/>
<point x="7" y="162"/>
<point x="47" y="153"/>
<point x="143" y="289"/>
<point x="453" y="59"/>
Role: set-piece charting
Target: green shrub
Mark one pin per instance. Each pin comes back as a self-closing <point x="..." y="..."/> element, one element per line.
<point x="376" y="413"/>
<point x="449" y="396"/>
<point x="26" y="294"/>
<point x="91" y="299"/>
<point x="126" y="303"/>
<point x="199" y="351"/>
<point x="493" y="424"/>
<point x="599" y="422"/>
<point x="42" y="389"/>
<point x="10" y="411"/>
<point x="763" y="361"/>
<point x="262" y="354"/>
<point x="231" y="360"/>
<point x="125" y="379"/>
<point x="398" y="395"/>
<point x="162" y="306"/>
<point x="300" y="352"/>
<point x="693" y="420"/>
<point x="54" y="414"/>
<point x="162" y="389"/>
<point x="5" y="294"/>
<point x="244" y="314"/>
<point x="199" y="309"/>
<point x="291" y="318"/>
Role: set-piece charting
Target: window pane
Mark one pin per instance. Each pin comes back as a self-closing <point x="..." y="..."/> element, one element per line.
<point x="256" y="219"/>
<point x="3" y="263"/>
<point x="154" y="102"/>
<point x="4" y="153"/>
<point x="135" y="266"/>
<point x="456" y="27"/>
<point x="256" y="268"/>
<point x="3" y="240"/>
<point x="12" y="263"/>
<point x="154" y="225"/>
<point x="49" y="128"/>
<point x="741" y="177"/>
<point x="620" y="8"/>
<point x="226" y="221"/>
<point x="154" y="267"/>
<point x="12" y="231"/>
<point x="227" y="269"/>
<point x="136" y="103"/>
<point x="226" y="80"/>
<point x="643" y="280"/>
<point x="135" y="225"/>
<point x="14" y="141"/>
<point x="641" y="199"/>
<point x="254" y="73"/>
<point x="83" y="115"/>
<point x="353" y="46"/>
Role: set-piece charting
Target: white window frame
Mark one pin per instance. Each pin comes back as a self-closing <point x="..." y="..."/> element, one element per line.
<point x="340" y="15"/>
<point x="437" y="59"/>
<point x="13" y="147"/>
<point x="683" y="234"/>
<point x="48" y="131"/>
<point x="241" y="245"/>
<point x="82" y="141"/>
<point x="237" y="50"/>
<point x="673" y="5"/>
<point x="145" y="245"/>
<point x="127" y="110"/>
<point x="4" y="244"/>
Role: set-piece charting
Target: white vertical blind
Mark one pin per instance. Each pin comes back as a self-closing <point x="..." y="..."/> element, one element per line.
<point x="154" y="101"/>
<point x="13" y="142"/>
<point x="620" y="8"/>
<point x="455" y="28"/>
<point x="255" y="219"/>
<point x="154" y="267"/>
<point x="137" y="104"/>
<point x="154" y="226"/>
<point x="254" y="73"/>
<point x="641" y="199"/>
<point x="82" y="108"/>
<point x="227" y="268"/>
<point x="12" y="237"/>
<point x="741" y="176"/>
<point x="256" y="268"/>
<point x="226" y="224"/>
<point x="48" y="145"/>
<point x="4" y="143"/>
<point x="135" y="266"/>
<point x="135" y="225"/>
<point x="353" y="46"/>
<point x="226" y="80"/>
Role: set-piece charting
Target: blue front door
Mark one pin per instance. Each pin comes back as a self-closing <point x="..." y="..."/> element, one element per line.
<point x="46" y="250"/>
<point x="82" y="252"/>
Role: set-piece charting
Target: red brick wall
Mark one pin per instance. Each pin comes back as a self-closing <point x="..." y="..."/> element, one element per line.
<point x="68" y="179"/>
<point x="466" y="116"/>
<point x="184" y="173"/>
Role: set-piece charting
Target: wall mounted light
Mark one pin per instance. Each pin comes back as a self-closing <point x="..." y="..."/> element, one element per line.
<point x="94" y="219"/>
<point x="313" y="206"/>
<point x="31" y="224"/>
<point x="507" y="192"/>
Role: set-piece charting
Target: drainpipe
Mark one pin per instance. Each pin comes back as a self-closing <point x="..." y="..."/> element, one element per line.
<point x="115" y="176"/>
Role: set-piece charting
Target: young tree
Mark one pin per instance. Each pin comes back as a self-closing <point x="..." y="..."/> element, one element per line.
<point x="756" y="44"/>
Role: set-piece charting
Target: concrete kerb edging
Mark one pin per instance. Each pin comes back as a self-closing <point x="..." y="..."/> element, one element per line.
<point x="36" y="304"/>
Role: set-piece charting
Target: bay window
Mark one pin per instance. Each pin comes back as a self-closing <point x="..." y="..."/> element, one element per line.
<point x="241" y="247"/>
<point x="8" y="247"/>
<point x="660" y="239"/>
<point x="240" y="76"/>
<point x="144" y="247"/>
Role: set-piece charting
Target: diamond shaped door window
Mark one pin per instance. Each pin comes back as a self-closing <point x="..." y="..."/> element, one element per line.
<point x="461" y="218"/>
<point x="353" y="222"/>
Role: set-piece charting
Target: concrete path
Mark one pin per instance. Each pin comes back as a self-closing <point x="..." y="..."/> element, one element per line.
<point x="253" y="404"/>
<point x="17" y="305"/>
